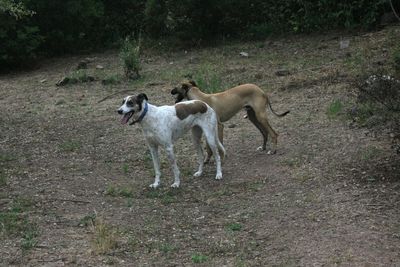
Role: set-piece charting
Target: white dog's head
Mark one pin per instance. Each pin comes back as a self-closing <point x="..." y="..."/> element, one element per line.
<point x="132" y="106"/>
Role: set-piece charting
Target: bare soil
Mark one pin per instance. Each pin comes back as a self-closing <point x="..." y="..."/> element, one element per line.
<point x="330" y="196"/>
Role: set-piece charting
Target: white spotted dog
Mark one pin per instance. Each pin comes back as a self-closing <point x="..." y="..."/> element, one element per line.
<point x="163" y="125"/>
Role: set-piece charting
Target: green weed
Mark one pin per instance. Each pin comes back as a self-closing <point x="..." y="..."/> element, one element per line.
<point x="87" y="220"/>
<point x="199" y="258"/>
<point x="167" y="248"/>
<point x="334" y="109"/>
<point x="234" y="227"/>
<point x="208" y="79"/>
<point x="115" y="191"/>
<point x="3" y="179"/>
<point x="70" y="146"/>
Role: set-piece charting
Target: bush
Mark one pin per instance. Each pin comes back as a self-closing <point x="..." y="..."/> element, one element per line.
<point x="130" y="56"/>
<point x="155" y="17"/>
<point x="19" y="38"/>
<point x="378" y="102"/>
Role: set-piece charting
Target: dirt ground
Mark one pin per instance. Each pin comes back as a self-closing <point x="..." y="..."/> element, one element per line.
<point x="330" y="196"/>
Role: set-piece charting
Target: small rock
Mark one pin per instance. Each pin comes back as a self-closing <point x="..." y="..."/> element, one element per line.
<point x="344" y="44"/>
<point x="282" y="72"/>
<point x="82" y="65"/>
<point x="258" y="76"/>
<point x="99" y="67"/>
<point x="43" y="80"/>
<point x="244" y="54"/>
<point x="63" y="81"/>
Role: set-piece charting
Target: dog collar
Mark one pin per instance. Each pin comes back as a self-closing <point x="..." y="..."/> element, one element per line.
<point x="146" y="108"/>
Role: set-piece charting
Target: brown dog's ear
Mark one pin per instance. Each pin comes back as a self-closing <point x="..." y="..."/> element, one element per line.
<point x="193" y="83"/>
<point x="185" y="86"/>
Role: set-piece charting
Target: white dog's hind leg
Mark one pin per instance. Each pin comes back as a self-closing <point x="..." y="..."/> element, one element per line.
<point x="196" y="134"/>
<point x="170" y="152"/>
<point x="156" y="163"/>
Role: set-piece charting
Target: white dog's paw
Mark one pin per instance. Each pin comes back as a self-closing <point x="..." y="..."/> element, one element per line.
<point x="175" y="185"/>
<point x="198" y="174"/>
<point x="154" y="185"/>
<point x="218" y="176"/>
<point x="260" y="148"/>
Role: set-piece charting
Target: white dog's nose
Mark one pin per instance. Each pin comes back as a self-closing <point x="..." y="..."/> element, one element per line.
<point x="119" y="111"/>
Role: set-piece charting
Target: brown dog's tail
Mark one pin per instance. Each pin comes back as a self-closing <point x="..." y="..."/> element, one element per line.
<point x="276" y="114"/>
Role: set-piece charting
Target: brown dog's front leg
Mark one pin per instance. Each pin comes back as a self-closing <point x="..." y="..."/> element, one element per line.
<point x="221" y="139"/>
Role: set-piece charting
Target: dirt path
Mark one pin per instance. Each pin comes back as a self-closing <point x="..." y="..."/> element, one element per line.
<point x="330" y="196"/>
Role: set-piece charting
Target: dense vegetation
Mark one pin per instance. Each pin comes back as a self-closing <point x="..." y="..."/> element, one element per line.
<point x="32" y="27"/>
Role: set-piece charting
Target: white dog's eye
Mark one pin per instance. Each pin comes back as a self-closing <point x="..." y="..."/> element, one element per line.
<point x="129" y="103"/>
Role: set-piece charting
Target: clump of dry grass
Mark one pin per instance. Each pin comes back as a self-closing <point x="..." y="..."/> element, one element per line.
<point x="104" y="237"/>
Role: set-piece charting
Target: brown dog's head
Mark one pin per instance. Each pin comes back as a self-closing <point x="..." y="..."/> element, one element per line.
<point x="181" y="92"/>
<point x="131" y="105"/>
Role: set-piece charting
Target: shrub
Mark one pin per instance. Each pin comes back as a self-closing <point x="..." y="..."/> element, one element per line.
<point x="19" y="38"/>
<point x="130" y="56"/>
<point x="155" y="16"/>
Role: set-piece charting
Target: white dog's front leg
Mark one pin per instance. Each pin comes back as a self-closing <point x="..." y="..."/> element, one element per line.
<point x="156" y="163"/>
<point x="172" y="161"/>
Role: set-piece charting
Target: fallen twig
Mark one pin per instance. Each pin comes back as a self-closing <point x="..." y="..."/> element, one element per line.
<point x="117" y="93"/>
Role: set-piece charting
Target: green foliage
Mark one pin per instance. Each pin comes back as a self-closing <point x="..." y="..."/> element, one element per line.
<point x="234" y="227"/>
<point x="396" y="61"/>
<point x="208" y="79"/>
<point x="130" y="57"/>
<point x="117" y="191"/>
<point x="29" y="27"/>
<point x="199" y="258"/>
<point x="155" y="17"/>
<point x="15" y="222"/>
<point x="334" y="108"/>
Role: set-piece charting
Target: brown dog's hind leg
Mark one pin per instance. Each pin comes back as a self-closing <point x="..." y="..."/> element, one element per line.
<point x="263" y="120"/>
<point x="252" y="117"/>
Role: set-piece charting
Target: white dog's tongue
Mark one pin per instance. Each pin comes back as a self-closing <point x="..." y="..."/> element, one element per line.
<point x="125" y="118"/>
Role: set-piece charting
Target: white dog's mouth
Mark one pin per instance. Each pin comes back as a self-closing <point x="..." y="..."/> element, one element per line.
<point x="126" y="117"/>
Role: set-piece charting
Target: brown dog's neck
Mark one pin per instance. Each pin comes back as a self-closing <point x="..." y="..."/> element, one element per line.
<point x="194" y="93"/>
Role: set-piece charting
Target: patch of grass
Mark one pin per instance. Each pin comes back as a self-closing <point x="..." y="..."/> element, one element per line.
<point x="166" y="197"/>
<point x="70" y="146"/>
<point x="334" y="109"/>
<point x="199" y="258"/>
<point x="208" y="79"/>
<point x="15" y="223"/>
<point x="292" y="162"/>
<point x="125" y="168"/>
<point x="6" y="158"/>
<point x="104" y="237"/>
<point x="29" y="240"/>
<point x="22" y="204"/>
<point x="370" y="153"/>
<point x="87" y="220"/>
<point x="115" y="191"/>
<point x="77" y="76"/>
<point x="3" y="179"/>
<point x="234" y="227"/>
<point x="111" y="79"/>
<point x="167" y="248"/>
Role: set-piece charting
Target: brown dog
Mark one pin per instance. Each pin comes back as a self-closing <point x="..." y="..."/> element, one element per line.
<point x="227" y="103"/>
